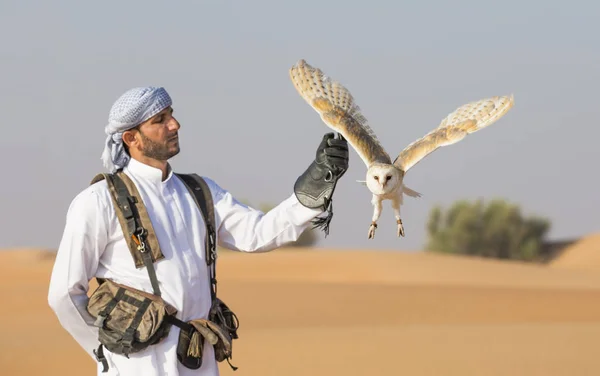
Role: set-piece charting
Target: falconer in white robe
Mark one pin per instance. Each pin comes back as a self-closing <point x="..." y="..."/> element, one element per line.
<point x="93" y="244"/>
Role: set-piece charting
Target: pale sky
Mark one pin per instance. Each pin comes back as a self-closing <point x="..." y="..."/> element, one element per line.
<point x="226" y="64"/>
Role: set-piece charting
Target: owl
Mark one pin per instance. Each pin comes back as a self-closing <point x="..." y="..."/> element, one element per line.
<point x="384" y="177"/>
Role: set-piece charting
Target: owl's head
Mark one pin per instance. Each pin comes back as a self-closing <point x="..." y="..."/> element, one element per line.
<point x="383" y="178"/>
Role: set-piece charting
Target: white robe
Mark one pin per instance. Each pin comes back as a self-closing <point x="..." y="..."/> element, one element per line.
<point x="92" y="245"/>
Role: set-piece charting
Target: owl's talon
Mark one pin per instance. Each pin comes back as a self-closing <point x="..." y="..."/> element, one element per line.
<point x="372" y="230"/>
<point x="400" y="228"/>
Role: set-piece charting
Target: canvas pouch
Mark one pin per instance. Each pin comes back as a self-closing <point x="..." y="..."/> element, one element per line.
<point x="219" y="331"/>
<point x="129" y="320"/>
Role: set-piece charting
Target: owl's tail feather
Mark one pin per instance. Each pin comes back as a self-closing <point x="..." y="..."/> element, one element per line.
<point x="409" y="192"/>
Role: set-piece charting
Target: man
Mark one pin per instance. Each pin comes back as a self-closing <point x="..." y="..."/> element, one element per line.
<point x="142" y="135"/>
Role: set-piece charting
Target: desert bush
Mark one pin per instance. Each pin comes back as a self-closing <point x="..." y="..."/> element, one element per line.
<point x="497" y="229"/>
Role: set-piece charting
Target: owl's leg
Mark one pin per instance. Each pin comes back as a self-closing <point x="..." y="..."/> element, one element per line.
<point x="376" y="201"/>
<point x="396" y="202"/>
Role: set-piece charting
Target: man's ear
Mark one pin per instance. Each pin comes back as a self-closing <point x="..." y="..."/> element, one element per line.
<point x="130" y="138"/>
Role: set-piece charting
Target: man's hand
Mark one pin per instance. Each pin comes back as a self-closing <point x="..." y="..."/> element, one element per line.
<point x="333" y="153"/>
<point x="315" y="187"/>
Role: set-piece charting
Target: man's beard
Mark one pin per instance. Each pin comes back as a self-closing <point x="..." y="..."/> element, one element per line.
<point x="156" y="151"/>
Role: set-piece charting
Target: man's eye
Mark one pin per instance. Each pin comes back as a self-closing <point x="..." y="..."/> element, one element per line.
<point x="159" y="119"/>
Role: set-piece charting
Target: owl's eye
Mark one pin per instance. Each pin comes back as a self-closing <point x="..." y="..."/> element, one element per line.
<point x="376" y="177"/>
<point x="388" y="177"/>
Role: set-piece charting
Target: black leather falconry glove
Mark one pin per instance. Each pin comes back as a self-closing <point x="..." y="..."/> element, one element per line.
<point x="314" y="188"/>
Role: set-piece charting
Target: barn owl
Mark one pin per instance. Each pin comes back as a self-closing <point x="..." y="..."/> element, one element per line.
<point x="384" y="178"/>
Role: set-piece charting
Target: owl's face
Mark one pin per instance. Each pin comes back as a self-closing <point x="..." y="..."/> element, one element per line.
<point x="383" y="178"/>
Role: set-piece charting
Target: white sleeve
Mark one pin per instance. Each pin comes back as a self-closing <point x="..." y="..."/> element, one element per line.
<point x="83" y="242"/>
<point x="246" y="229"/>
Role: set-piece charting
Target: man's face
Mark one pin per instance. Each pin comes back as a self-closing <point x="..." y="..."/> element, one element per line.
<point x="157" y="137"/>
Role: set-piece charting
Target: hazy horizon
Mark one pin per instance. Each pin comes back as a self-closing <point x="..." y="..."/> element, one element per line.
<point x="226" y="64"/>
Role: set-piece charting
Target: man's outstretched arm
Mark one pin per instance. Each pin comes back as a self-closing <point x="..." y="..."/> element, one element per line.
<point x="246" y="229"/>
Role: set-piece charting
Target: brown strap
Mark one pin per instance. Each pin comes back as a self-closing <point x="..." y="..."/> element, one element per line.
<point x="128" y="203"/>
<point x="203" y="198"/>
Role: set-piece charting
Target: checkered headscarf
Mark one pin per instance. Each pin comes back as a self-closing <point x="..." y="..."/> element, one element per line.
<point x="133" y="108"/>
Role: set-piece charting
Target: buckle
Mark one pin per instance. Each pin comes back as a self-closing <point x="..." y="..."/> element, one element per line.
<point x="100" y="321"/>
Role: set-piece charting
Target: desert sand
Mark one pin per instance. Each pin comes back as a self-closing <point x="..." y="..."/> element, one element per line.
<point x="584" y="254"/>
<point x="336" y="312"/>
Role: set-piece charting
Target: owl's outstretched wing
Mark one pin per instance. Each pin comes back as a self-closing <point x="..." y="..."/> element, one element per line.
<point x="336" y="106"/>
<point x="466" y="119"/>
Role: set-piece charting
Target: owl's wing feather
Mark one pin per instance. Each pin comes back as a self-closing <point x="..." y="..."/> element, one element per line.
<point x="336" y="106"/>
<point x="466" y="119"/>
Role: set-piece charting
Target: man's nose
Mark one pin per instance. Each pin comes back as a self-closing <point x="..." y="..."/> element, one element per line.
<point x="174" y="124"/>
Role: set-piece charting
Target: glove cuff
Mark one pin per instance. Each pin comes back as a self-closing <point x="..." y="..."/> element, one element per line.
<point x="314" y="189"/>
<point x="315" y="186"/>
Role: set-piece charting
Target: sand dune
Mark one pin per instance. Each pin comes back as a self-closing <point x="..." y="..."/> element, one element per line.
<point x="392" y="267"/>
<point x="584" y="254"/>
<point x="335" y="312"/>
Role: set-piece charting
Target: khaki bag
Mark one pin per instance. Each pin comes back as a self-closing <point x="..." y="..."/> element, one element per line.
<point x="220" y="330"/>
<point x="130" y="320"/>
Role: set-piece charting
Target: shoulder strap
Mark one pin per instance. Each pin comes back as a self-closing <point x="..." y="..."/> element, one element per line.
<point x="134" y="221"/>
<point x="203" y="198"/>
<point x="136" y="224"/>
